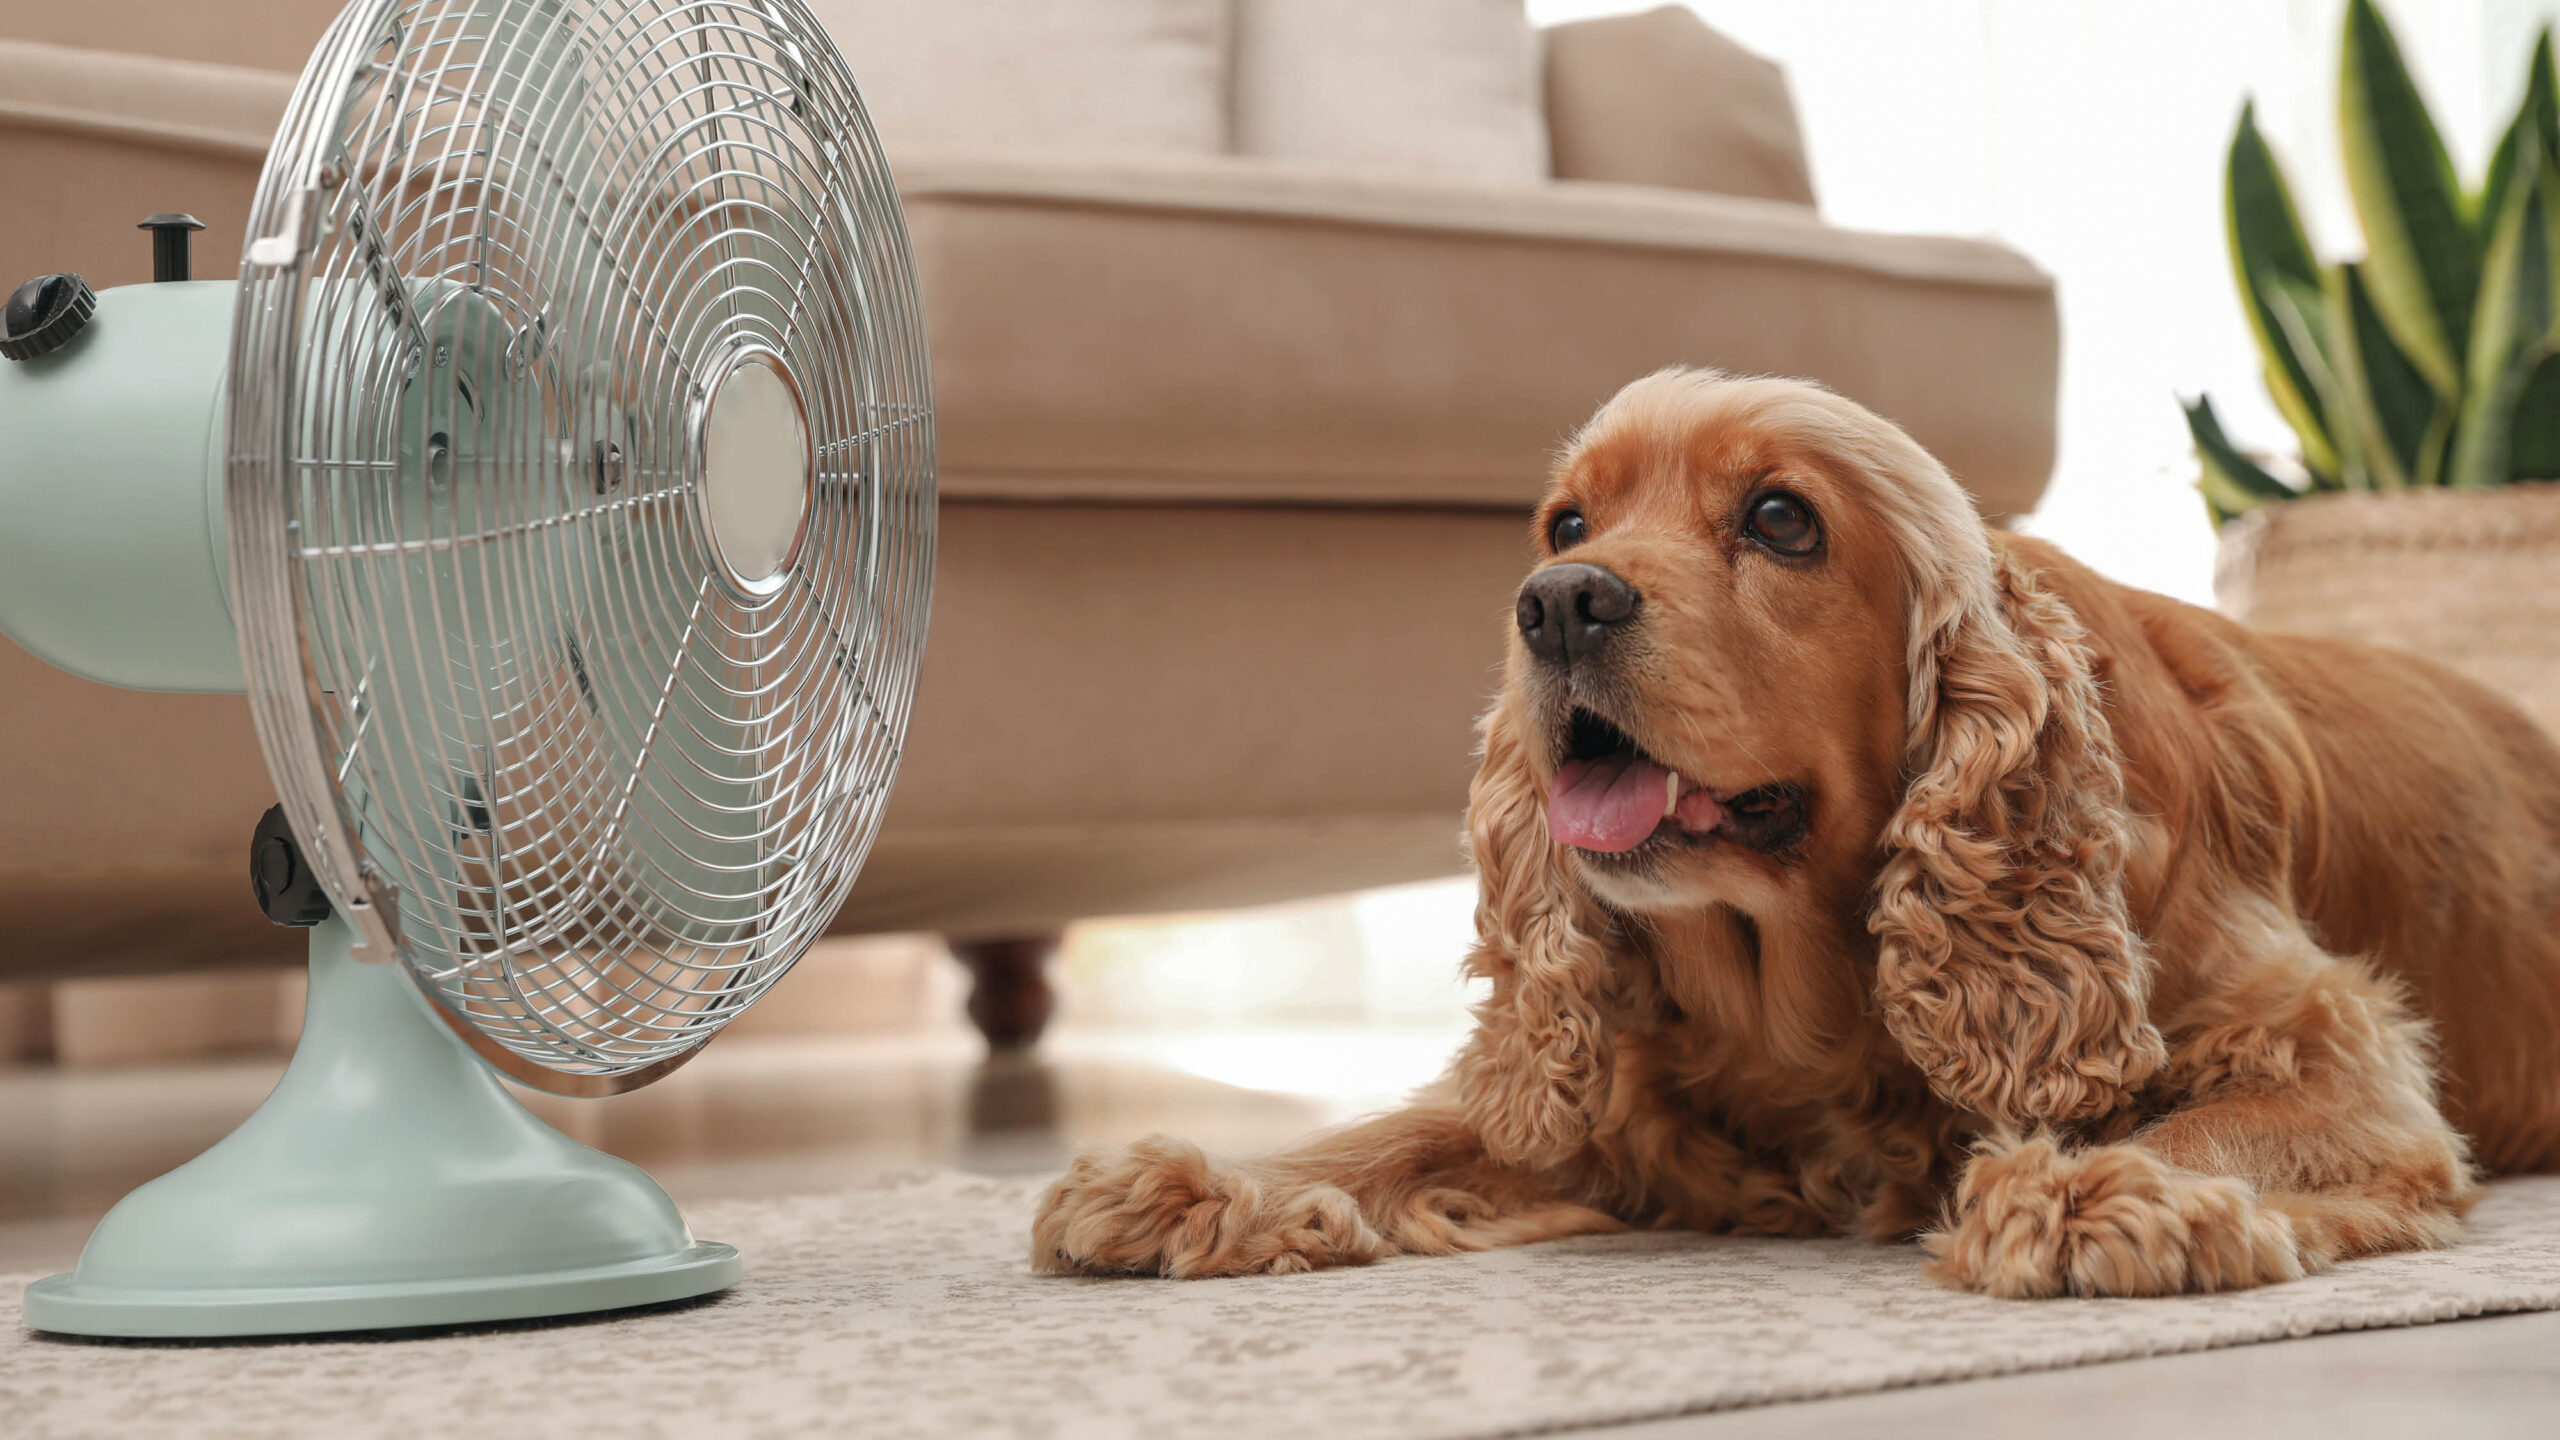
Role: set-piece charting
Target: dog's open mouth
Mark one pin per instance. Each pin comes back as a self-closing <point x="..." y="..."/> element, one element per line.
<point x="1609" y="797"/>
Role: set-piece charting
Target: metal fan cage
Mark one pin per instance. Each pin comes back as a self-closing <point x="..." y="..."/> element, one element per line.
<point x="595" y="787"/>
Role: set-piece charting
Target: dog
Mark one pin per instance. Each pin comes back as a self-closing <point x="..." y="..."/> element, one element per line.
<point x="1847" y="866"/>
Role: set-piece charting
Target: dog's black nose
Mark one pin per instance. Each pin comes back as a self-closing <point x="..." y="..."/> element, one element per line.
<point x="1565" y="611"/>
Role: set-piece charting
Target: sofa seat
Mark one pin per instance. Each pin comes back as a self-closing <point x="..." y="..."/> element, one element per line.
<point x="1124" y="708"/>
<point x="1140" y="707"/>
<point x="1386" y="340"/>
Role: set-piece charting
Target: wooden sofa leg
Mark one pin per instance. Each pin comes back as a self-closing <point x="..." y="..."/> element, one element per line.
<point x="1011" y="1000"/>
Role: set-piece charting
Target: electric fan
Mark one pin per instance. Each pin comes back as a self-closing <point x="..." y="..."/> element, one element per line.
<point x="557" y="481"/>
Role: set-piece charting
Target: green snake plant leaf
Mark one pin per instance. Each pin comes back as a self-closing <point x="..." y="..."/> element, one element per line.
<point x="2303" y="320"/>
<point x="2538" y="116"/>
<point x="2533" y="451"/>
<point x="2268" y="247"/>
<point x="2422" y="258"/>
<point x="2512" y="331"/>
<point x="2399" y="420"/>
<point x="2231" y="482"/>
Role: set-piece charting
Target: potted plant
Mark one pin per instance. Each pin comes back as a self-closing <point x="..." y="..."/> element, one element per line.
<point x="2422" y="383"/>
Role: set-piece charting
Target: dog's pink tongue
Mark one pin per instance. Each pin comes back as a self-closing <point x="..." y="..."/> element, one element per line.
<point x="1609" y="804"/>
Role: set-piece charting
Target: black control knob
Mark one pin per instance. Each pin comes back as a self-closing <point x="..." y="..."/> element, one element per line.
<point x="287" y="890"/>
<point x="43" y="314"/>
<point x="172" y="243"/>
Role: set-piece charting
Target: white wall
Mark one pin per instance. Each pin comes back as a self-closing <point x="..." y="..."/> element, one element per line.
<point x="2089" y="134"/>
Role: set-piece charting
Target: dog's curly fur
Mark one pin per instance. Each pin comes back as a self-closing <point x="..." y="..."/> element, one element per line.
<point x="2123" y="951"/>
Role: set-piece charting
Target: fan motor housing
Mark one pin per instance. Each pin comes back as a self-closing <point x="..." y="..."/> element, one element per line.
<point x="113" y="556"/>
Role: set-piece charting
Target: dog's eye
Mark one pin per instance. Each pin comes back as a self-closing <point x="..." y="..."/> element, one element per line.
<point x="1567" y="530"/>
<point x="1783" y="523"/>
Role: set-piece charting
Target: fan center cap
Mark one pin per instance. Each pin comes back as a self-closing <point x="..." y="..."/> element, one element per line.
<point x="752" y="437"/>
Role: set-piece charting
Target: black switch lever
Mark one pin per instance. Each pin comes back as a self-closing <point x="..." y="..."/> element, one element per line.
<point x="170" y="243"/>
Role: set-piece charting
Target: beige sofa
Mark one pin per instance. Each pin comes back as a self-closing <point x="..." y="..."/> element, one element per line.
<point x="1235" y="457"/>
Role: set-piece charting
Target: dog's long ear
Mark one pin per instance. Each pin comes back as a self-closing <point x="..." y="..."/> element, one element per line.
<point x="2008" y="970"/>
<point x="1530" y="1074"/>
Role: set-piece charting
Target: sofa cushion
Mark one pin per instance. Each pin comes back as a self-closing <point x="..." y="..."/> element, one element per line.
<point x="1104" y="76"/>
<point x="1426" y="87"/>
<point x="1275" y="334"/>
<point x="1660" y="99"/>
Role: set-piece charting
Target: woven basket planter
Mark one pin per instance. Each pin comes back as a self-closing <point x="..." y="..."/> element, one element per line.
<point x="2470" y="579"/>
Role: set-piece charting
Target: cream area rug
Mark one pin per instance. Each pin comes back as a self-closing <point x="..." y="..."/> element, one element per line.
<point x="907" y="1309"/>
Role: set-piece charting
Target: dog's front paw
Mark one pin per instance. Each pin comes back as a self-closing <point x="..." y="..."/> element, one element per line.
<point x="1161" y="1208"/>
<point x="2032" y="1220"/>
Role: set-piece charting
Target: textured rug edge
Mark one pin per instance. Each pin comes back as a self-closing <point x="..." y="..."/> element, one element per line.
<point x="2447" y="1310"/>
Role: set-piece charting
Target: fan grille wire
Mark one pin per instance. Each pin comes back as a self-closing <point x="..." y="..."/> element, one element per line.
<point x="596" y="794"/>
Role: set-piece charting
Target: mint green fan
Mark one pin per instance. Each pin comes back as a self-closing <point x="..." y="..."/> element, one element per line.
<point x="557" y="481"/>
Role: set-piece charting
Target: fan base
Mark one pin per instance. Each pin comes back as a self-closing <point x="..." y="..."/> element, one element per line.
<point x="63" y="1305"/>
<point x="389" y="1181"/>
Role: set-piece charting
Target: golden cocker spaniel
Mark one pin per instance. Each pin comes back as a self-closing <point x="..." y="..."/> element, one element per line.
<point x="1846" y="866"/>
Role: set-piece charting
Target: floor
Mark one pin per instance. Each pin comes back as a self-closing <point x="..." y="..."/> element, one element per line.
<point x="783" y="1115"/>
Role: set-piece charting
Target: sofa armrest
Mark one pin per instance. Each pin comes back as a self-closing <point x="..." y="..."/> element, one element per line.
<point x="1660" y="99"/>
<point x="225" y="110"/>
